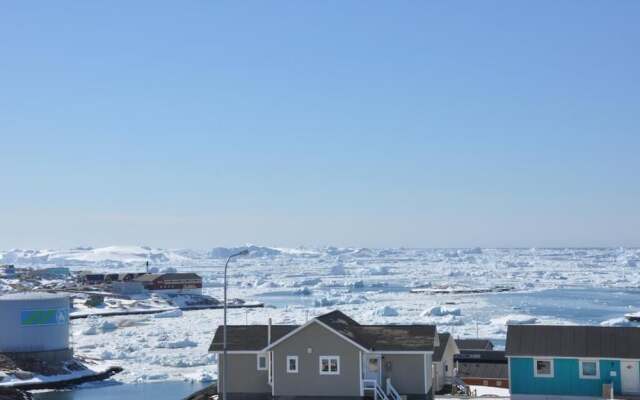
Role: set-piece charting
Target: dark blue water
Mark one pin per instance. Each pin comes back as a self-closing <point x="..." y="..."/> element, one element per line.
<point x="142" y="391"/>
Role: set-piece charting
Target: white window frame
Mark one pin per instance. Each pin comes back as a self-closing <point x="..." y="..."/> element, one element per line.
<point x="266" y="362"/>
<point x="289" y="370"/>
<point x="535" y="368"/>
<point x="595" y="361"/>
<point x="328" y="359"/>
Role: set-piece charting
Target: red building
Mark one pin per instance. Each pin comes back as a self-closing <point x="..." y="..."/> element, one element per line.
<point x="172" y="282"/>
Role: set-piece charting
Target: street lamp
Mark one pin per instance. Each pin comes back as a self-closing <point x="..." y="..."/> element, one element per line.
<point x="224" y="329"/>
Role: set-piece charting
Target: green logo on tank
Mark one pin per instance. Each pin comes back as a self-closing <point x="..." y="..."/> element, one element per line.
<point x="50" y="316"/>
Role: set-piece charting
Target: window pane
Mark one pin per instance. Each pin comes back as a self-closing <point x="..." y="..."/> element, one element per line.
<point x="262" y="362"/>
<point x="325" y="365"/>
<point x="292" y="364"/>
<point x="543" y="367"/>
<point x="334" y="365"/>
<point x="373" y="364"/>
<point x="589" y="368"/>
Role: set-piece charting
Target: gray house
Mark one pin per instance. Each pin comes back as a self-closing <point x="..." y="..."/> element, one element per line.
<point x="331" y="356"/>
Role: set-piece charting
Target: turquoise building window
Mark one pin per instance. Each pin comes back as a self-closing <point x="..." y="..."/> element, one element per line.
<point x="589" y="369"/>
<point x="543" y="367"/>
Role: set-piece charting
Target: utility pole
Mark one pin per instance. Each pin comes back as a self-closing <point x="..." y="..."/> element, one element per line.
<point x="224" y="329"/>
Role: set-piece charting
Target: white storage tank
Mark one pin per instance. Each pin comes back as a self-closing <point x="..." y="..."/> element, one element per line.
<point x="34" y="322"/>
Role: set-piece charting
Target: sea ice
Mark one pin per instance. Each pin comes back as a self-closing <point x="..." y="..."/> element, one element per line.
<point x="515" y="319"/>
<point x="178" y="344"/>
<point x="386" y="311"/>
<point x="338" y="269"/>
<point x="169" y="314"/>
<point x="439" y="311"/>
<point x="618" y="322"/>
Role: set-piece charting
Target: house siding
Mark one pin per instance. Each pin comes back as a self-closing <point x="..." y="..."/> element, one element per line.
<point x="439" y="370"/>
<point x="308" y="382"/>
<point x="566" y="380"/>
<point x="243" y="375"/>
<point x="406" y="371"/>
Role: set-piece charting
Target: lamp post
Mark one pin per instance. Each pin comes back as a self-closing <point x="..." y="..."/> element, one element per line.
<point x="224" y="329"/>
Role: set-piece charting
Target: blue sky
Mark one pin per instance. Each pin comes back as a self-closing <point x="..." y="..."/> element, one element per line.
<point x="353" y="123"/>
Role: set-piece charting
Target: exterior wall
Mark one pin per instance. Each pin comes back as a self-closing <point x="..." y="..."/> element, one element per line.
<point x="243" y="375"/>
<point x="407" y="372"/>
<point x="308" y="381"/>
<point x="440" y="372"/>
<point x="438" y="376"/>
<point x="46" y="356"/>
<point x="34" y="322"/>
<point x="176" y="284"/>
<point x="177" y="291"/>
<point x="566" y="380"/>
<point x="447" y="358"/>
<point x="127" y="287"/>
<point x="493" y="382"/>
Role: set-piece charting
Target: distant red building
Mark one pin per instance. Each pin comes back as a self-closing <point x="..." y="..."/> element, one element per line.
<point x="172" y="282"/>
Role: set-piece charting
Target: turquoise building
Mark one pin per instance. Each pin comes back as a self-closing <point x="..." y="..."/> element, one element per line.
<point x="551" y="362"/>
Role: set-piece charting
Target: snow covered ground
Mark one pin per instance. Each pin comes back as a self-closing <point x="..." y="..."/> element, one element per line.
<point x="560" y="286"/>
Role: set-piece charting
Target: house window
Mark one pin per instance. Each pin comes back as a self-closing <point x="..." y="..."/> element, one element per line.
<point x="543" y="367"/>
<point x="292" y="364"/>
<point x="262" y="362"/>
<point x="589" y="369"/>
<point x="329" y="365"/>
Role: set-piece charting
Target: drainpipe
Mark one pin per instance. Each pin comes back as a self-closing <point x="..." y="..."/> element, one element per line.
<point x="269" y="356"/>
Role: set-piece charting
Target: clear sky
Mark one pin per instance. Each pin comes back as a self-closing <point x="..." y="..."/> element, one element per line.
<point x="349" y="123"/>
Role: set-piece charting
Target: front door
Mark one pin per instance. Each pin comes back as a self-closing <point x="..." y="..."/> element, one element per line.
<point x="372" y="367"/>
<point x="630" y="376"/>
